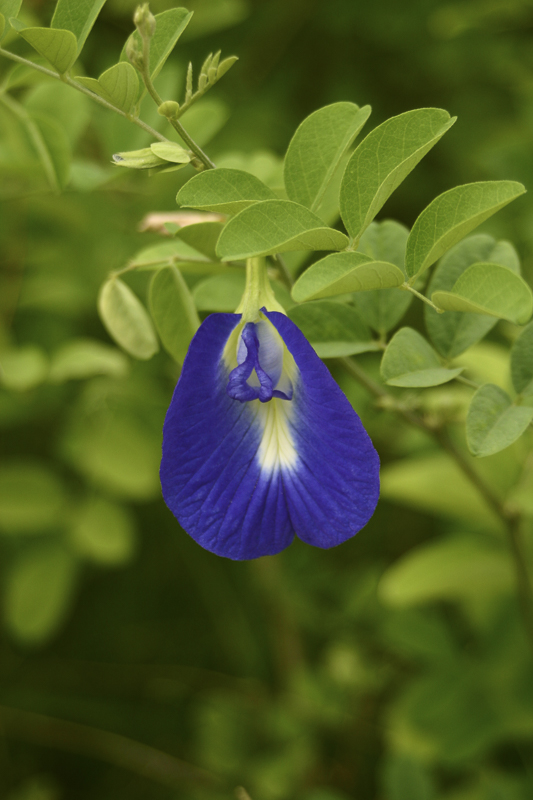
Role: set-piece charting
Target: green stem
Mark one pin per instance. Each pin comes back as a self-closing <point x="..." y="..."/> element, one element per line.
<point x="197" y="150"/>
<point x="285" y="271"/>
<point x="467" y="381"/>
<point x="176" y="124"/>
<point x="406" y="287"/>
<point x="83" y="89"/>
<point x="257" y="292"/>
<point x="510" y="520"/>
<point x="35" y="135"/>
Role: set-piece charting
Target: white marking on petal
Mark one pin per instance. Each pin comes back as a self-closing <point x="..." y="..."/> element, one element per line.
<point x="276" y="449"/>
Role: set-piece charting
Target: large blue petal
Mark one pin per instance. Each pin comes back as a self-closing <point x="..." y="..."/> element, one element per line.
<point x="243" y="477"/>
<point x="334" y="488"/>
<point x="210" y="475"/>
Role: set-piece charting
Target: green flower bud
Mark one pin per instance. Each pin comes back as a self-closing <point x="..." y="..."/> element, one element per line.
<point x="144" y="21"/>
<point x="198" y="165"/>
<point x="139" y="159"/>
<point x="134" y="53"/>
<point x="225" y="65"/>
<point x="169" y="109"/>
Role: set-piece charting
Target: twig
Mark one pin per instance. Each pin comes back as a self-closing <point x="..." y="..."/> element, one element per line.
<point x="176" y="124"/>
<point x="141" y="759"/>
<point x="467" y="381"/>
<point x="83" y="89"/>
<point x="408" y="288"/>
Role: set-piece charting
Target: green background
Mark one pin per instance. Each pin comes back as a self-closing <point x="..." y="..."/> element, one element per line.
<point x="313" y="675"/>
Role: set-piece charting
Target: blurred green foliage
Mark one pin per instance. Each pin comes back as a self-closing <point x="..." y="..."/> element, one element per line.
<point x="393" y="668"/>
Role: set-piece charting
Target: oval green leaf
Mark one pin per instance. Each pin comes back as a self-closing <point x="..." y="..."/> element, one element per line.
<point x="333" y="329"/>
<point x="493" y="422"/>
<point x="173" y="310"/>
<point x="276" y="226"/>
<point x="384" y="159"/>
<point x="203" y="237"/>
<point x="418" y="483"/>
<point x="23" y="368"/>
<point x="32" y="498"/>
<point x="450" y="216"/>
<point x="454" y="332"/>
<point x="382" y="309"/>
<point x="410" y="361"/>
<point x="77" y="16"/>
<point x="79" y="359"/>
<point x="522" y="361"/>
<point x="103" y="532"/>
<point x="219" y="293"/>
<point x="226" y="191"/>
<point x="126" y="319"/>
<point x="452" y="569"/>
<point x="38" y="592"/>
<point x="339" y="273"/>
<point x="116" y="452"/>
<point x="317" y="148"/>
<point x="119" y="85"/>
<point x="489" y="289"/>
<point x="59" y="47"/>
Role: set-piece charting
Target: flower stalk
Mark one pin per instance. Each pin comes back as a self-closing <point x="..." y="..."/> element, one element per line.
<point x="258" y="293"/>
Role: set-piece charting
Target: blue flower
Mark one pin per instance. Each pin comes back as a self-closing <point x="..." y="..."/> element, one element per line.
<point x="260" y="444"/>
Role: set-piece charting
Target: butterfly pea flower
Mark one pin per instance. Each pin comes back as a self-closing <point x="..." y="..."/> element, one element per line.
<point x="259" y="443"/>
